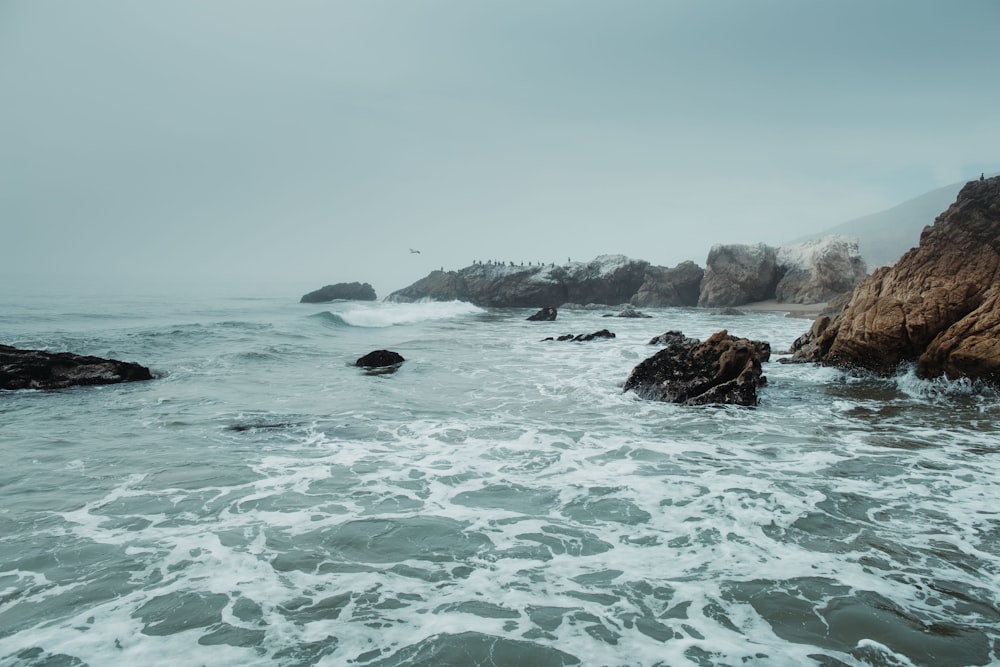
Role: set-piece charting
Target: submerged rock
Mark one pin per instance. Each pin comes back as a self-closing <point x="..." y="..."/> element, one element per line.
<point x="38" y="369"/>
<point x="547" y="314"/>
<point x="380" y="359"/>
<point x="721" y="370"/>
<point x="345" y="291"/>
<point x="939" y="306"/>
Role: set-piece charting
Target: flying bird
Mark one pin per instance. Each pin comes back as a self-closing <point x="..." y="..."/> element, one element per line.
<point x="415" y="252"/>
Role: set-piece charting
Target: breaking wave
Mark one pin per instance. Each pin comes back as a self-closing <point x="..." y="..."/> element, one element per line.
<point x="353" y="314"/>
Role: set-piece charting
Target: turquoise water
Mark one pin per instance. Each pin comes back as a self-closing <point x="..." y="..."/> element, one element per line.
<point x="495" y="501"/>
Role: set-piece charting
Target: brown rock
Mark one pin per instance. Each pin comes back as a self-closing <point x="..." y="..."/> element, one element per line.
<point x="938" y="306"/>
<point x="721" y="370"/>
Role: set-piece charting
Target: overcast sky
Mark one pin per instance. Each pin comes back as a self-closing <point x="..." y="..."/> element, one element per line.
<point x="284" y="145"/>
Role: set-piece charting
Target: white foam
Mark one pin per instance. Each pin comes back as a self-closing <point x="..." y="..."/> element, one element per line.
<point x="392" y="314"/>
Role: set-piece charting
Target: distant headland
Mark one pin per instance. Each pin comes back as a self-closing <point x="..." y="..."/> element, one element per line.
<point x="734" y="275"/>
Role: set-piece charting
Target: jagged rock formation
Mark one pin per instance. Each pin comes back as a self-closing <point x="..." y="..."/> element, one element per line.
<point x="38" y="369"/>
<point x="738" y="274"/>
<point x="721" y="370"/>
<point x="817" y="271"/>
<point x="938" y="306"/>
<point x="547" y="314"/>
<point x="663" y="287"/>
<point x="811" y="272"/>
<point x="346" y="291"/>
<point x="608" y="279"/>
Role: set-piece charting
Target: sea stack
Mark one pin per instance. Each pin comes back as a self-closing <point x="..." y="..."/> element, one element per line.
<point x="939" y="306"/>
<point x="341" y="291"/>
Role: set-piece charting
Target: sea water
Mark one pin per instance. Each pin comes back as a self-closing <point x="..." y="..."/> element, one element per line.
<point x="497" y="500"/>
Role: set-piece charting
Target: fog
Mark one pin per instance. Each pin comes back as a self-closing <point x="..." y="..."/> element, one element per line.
<point x="274" y="147"/>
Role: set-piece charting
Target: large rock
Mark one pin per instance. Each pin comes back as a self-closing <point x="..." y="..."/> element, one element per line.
<point x="38" y="369"/>
<point x="608" y="279"/>
<point x="738" y="274"/>
<point x="380" y="359"/>
<point x="811" y="272"/>
<point x="547" y="314"/>
<point x="818" y="271"/>
<point x="721" y="370"/>
<point x="677" y="286"/>
<point x="939" y="306"/>
<point x="345" y="291"/>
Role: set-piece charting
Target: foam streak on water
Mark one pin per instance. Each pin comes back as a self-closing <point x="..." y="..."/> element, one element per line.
<point x="497" y="500"/>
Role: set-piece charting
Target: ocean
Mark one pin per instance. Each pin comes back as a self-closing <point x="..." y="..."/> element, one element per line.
<point x="495" y="501"/>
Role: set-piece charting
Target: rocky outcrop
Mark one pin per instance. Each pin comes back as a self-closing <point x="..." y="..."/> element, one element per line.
<point x="547" y="314"/>
<point x="939" y="306"/>
<point x="721" y="370"/>
<point x="739" y="274"/>
<point x="38" y="369"/>
<point x="672" y="338"/>
<point x="345" y="291"/>
<point x="677" y="286"/>
<point x="811" y="272"/>
<point x="380" y="359"/>
<point x="608" y="279"/>
<point x="818" y="271"/>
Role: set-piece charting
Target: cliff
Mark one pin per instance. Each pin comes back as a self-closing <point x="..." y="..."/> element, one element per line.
<point x="938" y="306"/>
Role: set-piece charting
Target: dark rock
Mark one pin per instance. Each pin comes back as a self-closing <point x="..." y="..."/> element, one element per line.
<point x="673" y="338"/>
<point x="547" y="314"/>
<point x="811" y="272"/>
<point x="380" y="359"/>
<point x="721" y="370"/>
<point x="939" y="306"/>
<point x="345" y="291"/>
<point x="38" y="369"/>
<point x="675" y="287"/>
<point x="582" y="338"/>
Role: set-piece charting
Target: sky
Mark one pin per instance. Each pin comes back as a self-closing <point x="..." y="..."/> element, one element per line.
<point x="275" y="147"/>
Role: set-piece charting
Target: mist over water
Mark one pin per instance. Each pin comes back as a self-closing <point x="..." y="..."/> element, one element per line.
<point x="497" y="498"/>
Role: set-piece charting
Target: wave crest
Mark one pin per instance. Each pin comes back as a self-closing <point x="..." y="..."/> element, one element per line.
<point x="387" y="314"/>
